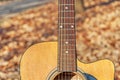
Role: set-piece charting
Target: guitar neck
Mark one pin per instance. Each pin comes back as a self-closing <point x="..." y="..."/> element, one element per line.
<point x="67" y="38"/>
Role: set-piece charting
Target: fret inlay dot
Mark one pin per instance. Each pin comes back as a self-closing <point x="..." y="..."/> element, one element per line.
<point x="61" y="26"/>
<point x="66" y="42"/>
<point x="66" y="52"/>
<point x="66" y="7"/>
<point x="72" y="26"/>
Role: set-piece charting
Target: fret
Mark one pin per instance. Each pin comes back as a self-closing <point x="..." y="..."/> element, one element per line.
<point x="67" y="11"/>
<point x="65" y="34"/>
<point x="69" y="52"/>
<point x="66" y="29"/>
<point x="68" y="34"/>
<point x="69" y="45"/>
<point x="69" y="40"/>
<point x="63" y="5"/>
<point x="63" y="50"/>
<point x="67" y="14"/>
<point x="69" y="59"/>
<point x="66" y="23"/>
<point x="63" y="57"/>
<point x="69" y="69"/>
<point x="70" y="24"/>
<point x="66" y="20"/>
<point x="65" y="40"/>
<point x="67" y="37"/>
<point x="66" y="17"/>
<point x="66" y="4"/>
<point x="68" y="64"/>
<point x="69" y="55"/>
<point x="68" y="49"/>
<point x="64" y="60"/>
<point x="63" y="46"/>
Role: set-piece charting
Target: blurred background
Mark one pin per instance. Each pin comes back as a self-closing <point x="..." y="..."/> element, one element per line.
<point x="26" y="22"/>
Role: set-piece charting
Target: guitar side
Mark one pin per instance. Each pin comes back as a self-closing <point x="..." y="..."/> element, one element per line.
<point x="40" y="59"/>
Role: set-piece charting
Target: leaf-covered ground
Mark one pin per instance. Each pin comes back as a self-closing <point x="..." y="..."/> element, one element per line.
<point x="98" y="35"/>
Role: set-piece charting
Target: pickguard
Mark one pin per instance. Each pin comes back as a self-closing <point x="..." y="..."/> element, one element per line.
<point x="89" y="77"/>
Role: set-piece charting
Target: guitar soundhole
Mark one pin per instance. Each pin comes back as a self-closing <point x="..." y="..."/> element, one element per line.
<point x="69" y="76"/>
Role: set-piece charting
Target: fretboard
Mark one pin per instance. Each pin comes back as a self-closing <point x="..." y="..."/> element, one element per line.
<point x="67" y="38"/>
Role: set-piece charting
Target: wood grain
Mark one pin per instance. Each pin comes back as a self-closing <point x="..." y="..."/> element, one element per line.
<point x="40" y="59"/>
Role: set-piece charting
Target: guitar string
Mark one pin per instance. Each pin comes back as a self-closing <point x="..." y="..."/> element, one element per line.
<point x="75" y="43"/>
<point x="72" y="16"/>
<point x="61" y="42"/>
<point x="75" y="40"/>
<point x="73" y="36"/>
<point x="64" y="38"/>
<point x="60" y="24"/>
<point x="61" y="46"/>
<point x="70" y="21"/>
<point x="70" y="42"/>
<point x="59" y="36"/>
<point x="67" y="2"/>
<point x="58" y="40"/>
<point x="74" y="30"/>
<point x="68" y="38"/>
<point x="75" y="66"/>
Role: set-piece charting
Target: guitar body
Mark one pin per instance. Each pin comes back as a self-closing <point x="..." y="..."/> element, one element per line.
<point x="40" y="62"/>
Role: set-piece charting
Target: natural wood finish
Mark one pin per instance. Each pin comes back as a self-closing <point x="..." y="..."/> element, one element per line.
<point x="40" y="59"/>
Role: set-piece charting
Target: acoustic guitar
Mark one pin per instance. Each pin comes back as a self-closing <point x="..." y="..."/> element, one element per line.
<point x="58" y="60"/>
